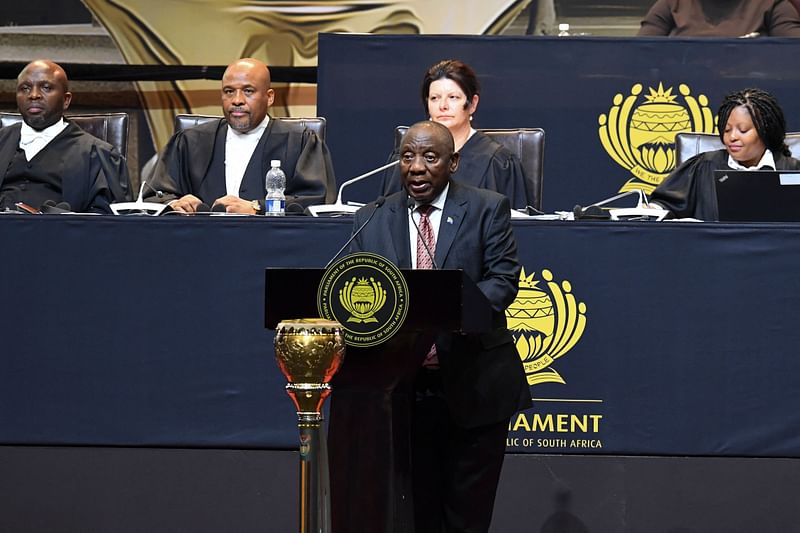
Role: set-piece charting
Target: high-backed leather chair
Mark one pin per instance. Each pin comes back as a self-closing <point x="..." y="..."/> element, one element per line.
<point x="688" y="145"/>
<point x="526" y="143"/>
<point x="109" y="127"/>
<point x="315" y="124"/>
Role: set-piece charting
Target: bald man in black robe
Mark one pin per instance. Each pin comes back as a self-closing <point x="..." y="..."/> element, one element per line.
<point x="225" y="161"/>
<point x="47" y="158"/>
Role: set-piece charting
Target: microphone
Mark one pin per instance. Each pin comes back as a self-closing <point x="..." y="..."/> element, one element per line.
<point x="593" y="211"/>
<point x="140" y="207"/>
<point x="201" y="209"/>
<point x="377" y="203"/>
<point x="50" y="207"/>
<point x="590" y="212"/>
<point x="411" y="205"/>
<point x="338" y="208"/>
<point x="643" y="210"/>
<point x="218" y="208"/>
<point x="295" y="208"/>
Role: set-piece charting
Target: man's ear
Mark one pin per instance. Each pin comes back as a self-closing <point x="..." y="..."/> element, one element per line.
<point x="454" y="162"/>
<point x="270" y="97"/>
<point x="67" y="100"/>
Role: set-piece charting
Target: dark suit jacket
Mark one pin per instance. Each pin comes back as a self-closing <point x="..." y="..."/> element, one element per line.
<point x="482" y="375"/>
<point x="193" y="162"/>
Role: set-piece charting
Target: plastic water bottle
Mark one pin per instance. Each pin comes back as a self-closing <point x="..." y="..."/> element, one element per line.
<point x="563" y="29"/>
<point x="275" y="201"/>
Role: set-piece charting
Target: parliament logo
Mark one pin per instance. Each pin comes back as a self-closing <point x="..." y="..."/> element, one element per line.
<point x="367" y="295"/>
<point x="546" y="323"/>
<point x="641" y="138"/>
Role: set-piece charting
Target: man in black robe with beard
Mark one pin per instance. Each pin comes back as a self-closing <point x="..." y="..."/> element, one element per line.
<point x="48" y="158"/>
<point x="225" y="161"/>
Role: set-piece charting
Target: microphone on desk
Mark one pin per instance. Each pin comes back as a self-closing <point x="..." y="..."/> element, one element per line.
<point x="140" y="207"/>
<point x="50" y="207"/>
<point x="201" y="209"/>
<point x="377" y="204"/>
<point x="412" y="204"/>
<point x="643" y="211"/>
<point x="338" y="208"/>
<point x="295" y="209"/>
<point x="595" y="212"/>
<point x="590" y="212"/>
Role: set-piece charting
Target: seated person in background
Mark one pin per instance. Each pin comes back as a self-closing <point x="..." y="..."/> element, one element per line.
<point x="48" y="158"/>
<point x="225" y="161"/>
<point x="450" y="95"/>
<point x="752" y="128"/>
<point x="721" y="18"/>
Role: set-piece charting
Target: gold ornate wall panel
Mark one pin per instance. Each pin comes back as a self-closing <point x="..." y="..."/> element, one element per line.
<point x="216" y="32"/>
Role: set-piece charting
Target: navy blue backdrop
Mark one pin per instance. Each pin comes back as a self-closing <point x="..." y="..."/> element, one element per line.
<point x="128" y="331"/>
<point x="368" y="84"/>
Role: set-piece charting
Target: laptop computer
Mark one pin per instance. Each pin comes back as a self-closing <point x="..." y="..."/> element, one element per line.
<point x="758" y="195"/>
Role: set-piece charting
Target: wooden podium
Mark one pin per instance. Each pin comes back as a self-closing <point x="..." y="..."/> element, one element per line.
<point x="370" y="409"/>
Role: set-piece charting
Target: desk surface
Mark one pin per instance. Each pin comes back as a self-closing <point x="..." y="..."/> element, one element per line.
<point x="131" y="331"/>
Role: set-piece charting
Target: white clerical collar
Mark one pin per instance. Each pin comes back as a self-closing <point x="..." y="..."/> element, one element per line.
<point x="27" y="135"/>
<point x="767" y="160"/>
<point x="439" y="201"/>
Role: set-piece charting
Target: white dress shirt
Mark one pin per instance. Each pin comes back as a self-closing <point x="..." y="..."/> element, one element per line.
<point x="767" y="160"/>
<point x="239" y="148"/>
<point x="33" y="141"/>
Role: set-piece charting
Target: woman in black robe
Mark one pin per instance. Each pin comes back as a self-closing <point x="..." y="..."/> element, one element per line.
<point x="450" y="96"/>
<point x="753" y="129"/>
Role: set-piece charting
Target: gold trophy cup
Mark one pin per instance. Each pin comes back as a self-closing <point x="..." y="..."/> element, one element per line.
<point x="309" y="351"/>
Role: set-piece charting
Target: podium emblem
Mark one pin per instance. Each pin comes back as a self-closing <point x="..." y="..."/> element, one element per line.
<point x="546" y="322"/>
<point x="362" y="298"/>
<point x="367" y="294"/>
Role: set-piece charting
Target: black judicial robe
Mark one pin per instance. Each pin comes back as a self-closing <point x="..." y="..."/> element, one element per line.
<point x="193" y="162"/>
<point x="688" y="192"/>
<point x="91" y="171"/>
<point x="485" y="164"/>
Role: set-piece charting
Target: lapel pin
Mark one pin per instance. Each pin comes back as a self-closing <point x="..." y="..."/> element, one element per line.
<point x="449" y="220"/>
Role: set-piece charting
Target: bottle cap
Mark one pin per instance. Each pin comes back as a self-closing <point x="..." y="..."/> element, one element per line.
<point x="275" y="163"/>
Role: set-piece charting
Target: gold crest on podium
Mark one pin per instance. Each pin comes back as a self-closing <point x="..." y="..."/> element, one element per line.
<point x="367" y="294"/>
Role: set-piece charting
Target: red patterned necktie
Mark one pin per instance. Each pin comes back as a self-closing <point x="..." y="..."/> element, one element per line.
<point x="426" y="236"/>
<point x="425" y="262"/>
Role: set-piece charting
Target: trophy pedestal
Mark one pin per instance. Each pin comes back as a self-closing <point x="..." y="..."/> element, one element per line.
<point x="309" y="352"/>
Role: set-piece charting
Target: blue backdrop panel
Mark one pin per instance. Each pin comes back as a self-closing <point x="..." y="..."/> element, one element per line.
<point x="368" y="84"/>
<point x="128" y="331"/>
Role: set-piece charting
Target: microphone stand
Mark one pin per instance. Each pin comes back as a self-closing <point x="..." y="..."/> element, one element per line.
<point x="140" y="206"/>
<point x="642" y="211"/>
<point x="338" y="208"/>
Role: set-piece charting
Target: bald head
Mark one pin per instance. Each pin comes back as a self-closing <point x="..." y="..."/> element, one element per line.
<point x="436" y="131"/>
<point x="246" y="94"/>
<point x="46" y="65"/>
<point x="427" y="159"/>
<point x="257" y="70"/>
<point x="42" y="93"/>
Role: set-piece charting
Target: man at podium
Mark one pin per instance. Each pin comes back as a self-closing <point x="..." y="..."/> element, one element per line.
<point x="468" y="386"/>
